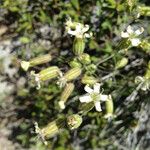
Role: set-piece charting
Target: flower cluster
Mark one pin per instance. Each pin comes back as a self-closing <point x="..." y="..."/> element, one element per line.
<point x="83" y="69"/>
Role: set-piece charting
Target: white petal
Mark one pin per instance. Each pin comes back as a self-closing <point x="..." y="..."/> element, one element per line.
<point x="72" y="32"/>
<point x="135" y="41"/>
<point x="61" y="104"/>
<point x="79" y="27"/>
<point x="130" y="30"/>
<point x="109" y="97"/>
<point x="88" y="89"/>
<point x="124" y="34"/>
<point x="87" y="35"/>
<point x="98" y="106"/>
<point x="104" y="97"/>
<point x="96" y="88"/>
<point x="139" y="31"/>
<point x="85" y="28"/>
<point x="85" y="99"/>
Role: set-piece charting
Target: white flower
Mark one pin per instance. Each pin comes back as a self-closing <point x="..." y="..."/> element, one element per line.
<point x="132" y="35"/>
<point x="94" y="95"/>
<point x="77" y="29"/>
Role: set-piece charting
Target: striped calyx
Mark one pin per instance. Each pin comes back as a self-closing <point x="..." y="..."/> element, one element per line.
<point x="89" y="80"/>
<point x="78" y="46"/>
<point x="49" y="73"/>
<point x="85" y="58"/>
<point x="75" y="63"/>
<point x="65" y="95"/>
<point x="72" y="74"/>
<point x="50" y="129"/>
<point x="68" y="76"/>
<point x="109" y="108"/>
<point x="122" y="63"/>
<point x="46" y="74"/>
<point x="25" y="65"/>
<point x="40" y="60"/>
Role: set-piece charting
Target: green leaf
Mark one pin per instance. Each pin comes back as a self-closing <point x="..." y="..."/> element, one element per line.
<point x="75" y="4"/>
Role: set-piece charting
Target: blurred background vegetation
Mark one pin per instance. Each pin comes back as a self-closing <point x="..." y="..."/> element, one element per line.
<point x="30" y="28"/>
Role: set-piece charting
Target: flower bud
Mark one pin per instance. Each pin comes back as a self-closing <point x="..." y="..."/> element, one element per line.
<point x="109" y="108"/>
<point x="89" y="80"/>
<point x="145" y="45"/>
<point x="65" y="94"/>
<point x="46" y="74"/>
<point x="75" y="64"/>
<point x="121" y="63"/>
<point x="91" y="68"/>
<point x="72" y="74"/>
<point x="40" y="60"/>
<point x="85" y="58"/>
<point x="49" y="73"/>
<point x="35" y="61"/>
<point x="144" y="10"/>
<point x="74" y="121"/>
<point x="78" y="46"/>
<point x="49" y="130"/>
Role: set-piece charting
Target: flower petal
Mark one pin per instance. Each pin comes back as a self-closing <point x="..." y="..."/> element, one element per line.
<point x="72" y="32"/>
<point x="88" y="89"/>
<point x="88" y="35"/>
<point x="130" y="30"/>
<point x="135" y="41"/>
<point x="124" y="34"/>
<point x="61" y="104"/>
<point x="96" y="88"/>
<point x="104" y="97"/>
<point x="85" y="28"/>
<point x="139" y="31"/>
<point x="85" y="99"/>
<point x="98" y="106"/>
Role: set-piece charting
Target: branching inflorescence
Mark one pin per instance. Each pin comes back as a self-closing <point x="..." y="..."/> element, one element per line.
<point x="79" y="70"/>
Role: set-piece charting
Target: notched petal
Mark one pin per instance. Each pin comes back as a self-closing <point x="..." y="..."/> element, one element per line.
<point x="97" y="88"/>
<point x="85" y="99"/>
<point x="135" y="41"/>
<point x="88" y="89"/>
<point x="98" y="106"/>
<point x="124" y="34"/>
